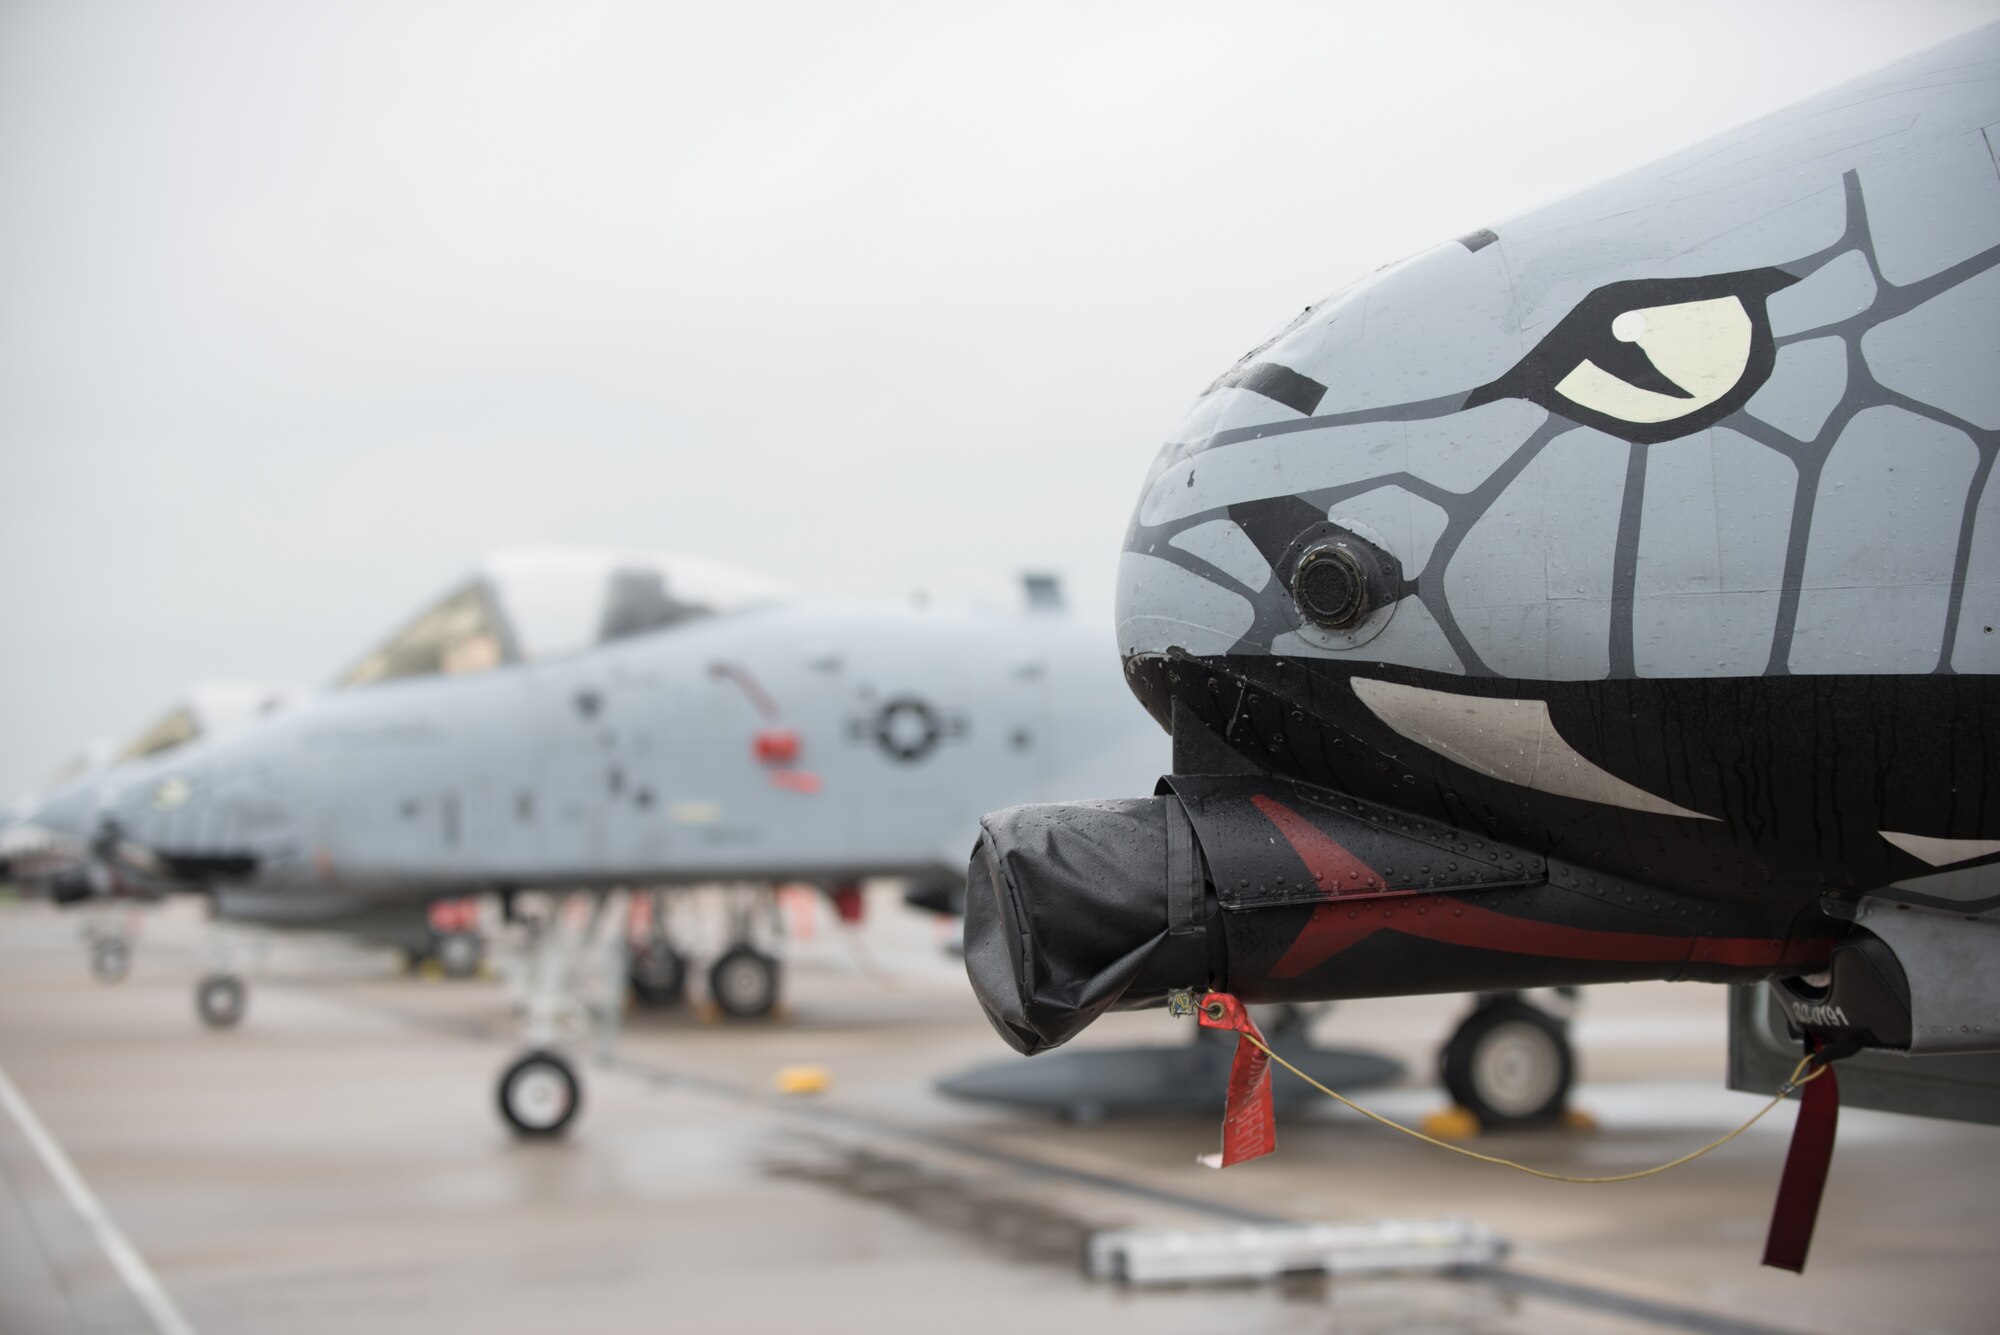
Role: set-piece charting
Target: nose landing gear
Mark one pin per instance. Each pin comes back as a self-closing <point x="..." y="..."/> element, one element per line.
<point x="109" y="930"/>
<point x="539" y="1094"/>
<point x="220" y="1000"/>
<point x="110" y="958"/>
<point x="221" y="996"/>
<point x="580" y="955"/>
<point x="569" y="986"/>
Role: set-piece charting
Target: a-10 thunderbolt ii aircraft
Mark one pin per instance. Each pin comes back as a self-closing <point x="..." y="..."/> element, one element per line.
<point x="43" y="848"/>
<point x="1610" y="594"/>
<point x="589" y="720"/>
<point x="34" y="845"/>
<point x="51" y="841"/>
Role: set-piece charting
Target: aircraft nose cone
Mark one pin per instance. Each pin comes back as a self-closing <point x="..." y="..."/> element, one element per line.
<point x="71" y="811"/>
<point x="1344" y="435"/>
<point x="32" y="849"/>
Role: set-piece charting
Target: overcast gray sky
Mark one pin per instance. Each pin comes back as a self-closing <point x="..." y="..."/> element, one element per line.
<point x="303" y="307"/>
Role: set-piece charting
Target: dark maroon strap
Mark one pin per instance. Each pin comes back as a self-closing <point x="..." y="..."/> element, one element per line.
<point x="1799" y="1190"/>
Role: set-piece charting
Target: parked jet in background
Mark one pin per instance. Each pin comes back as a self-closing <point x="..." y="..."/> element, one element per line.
<point x="570" y="720"/>
<point x="31" y="841"/>
<point x="53" y="841"/>
<point x="1607" y="595"/>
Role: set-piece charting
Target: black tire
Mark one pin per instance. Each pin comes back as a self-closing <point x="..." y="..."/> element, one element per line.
<point x="110" y="959"/>
<point x="539" y="1095"/>
<point x="1510" y="1065"/>
<point x="220" y="999"/>
<point x="459" y="954"/>
<point x="658" y="974"/>
<point x="744" y="983"/>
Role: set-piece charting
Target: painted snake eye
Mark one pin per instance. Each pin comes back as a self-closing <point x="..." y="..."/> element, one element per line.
<point x="1666" y="361"/>
<point x="1652" y="359"/>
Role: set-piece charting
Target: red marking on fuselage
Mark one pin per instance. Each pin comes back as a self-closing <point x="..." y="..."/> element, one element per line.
<point x="1334" y="927"/>
<point x="1334" y="870"/>
<point x="776" y="746"/>
<point x="795" y="781"/>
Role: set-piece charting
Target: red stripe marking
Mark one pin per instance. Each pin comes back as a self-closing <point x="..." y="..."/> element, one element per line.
<point x="1335" y="870"/>
<point x="1335" y="927"/>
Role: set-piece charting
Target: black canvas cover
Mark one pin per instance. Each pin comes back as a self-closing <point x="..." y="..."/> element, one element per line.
<point x="1079" y="908"/>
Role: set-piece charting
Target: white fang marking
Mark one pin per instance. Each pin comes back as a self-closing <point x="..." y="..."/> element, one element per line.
<point x="1514" y="741"/>
<point x="1941" y="852"/>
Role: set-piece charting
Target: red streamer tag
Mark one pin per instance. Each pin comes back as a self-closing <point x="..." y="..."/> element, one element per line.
<point x="1249" y="1123"/>
<point x="1804" y="1179"/>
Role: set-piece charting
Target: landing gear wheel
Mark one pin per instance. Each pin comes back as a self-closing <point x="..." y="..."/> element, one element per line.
<point x="459" y="954"/>
<point x="539" y="1094"/>
<point x="658" y="974"/>
<point x="219" y="999"/>
<point x="110" y="958"/>
<point x="744" y="983"/>
<point x="1510" y="1065"/>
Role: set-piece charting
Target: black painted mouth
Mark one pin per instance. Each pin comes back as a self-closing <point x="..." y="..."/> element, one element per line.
<point x="1800" y="774"/>
<point x="207" y="868"/>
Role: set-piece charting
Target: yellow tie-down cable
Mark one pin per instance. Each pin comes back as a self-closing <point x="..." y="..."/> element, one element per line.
<point x="1799" y="1077"/>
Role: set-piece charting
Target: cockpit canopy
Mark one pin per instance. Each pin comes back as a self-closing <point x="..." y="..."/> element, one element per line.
<point x="536" y="603"/>
<point x="177" y="728"/>
<point x="208" y="709"/>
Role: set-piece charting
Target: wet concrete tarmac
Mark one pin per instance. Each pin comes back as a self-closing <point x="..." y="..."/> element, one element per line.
<point x="336" y="1164"/>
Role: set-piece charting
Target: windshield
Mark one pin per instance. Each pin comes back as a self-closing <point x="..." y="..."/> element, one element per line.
<point x="459" y="635"/>
<point x="176" y="729"/>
